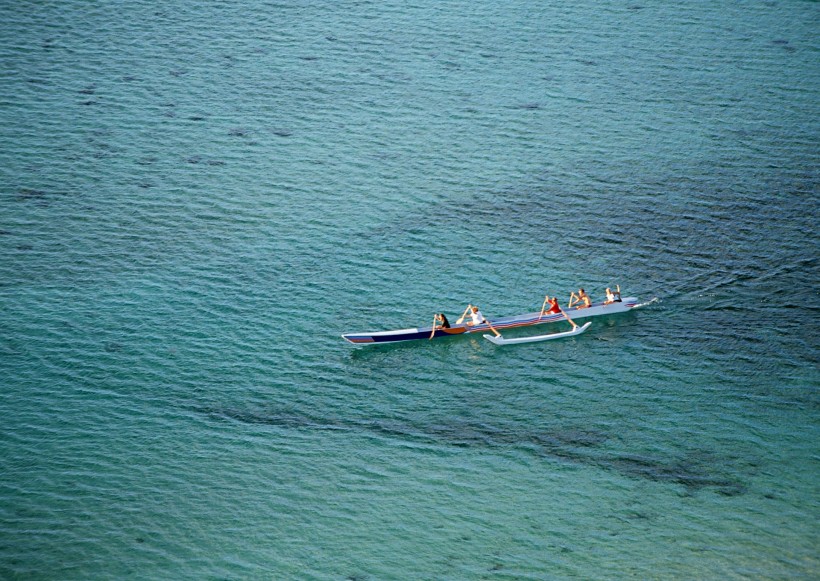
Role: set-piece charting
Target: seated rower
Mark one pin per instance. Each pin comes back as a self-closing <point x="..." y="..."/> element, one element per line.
<point x="477" y="318"/>
<point x="440" y="321"/>
<point x="475" y="315"/>
<point x="579" y="301"/>
<point x="554" y="308"/>
<point x="613" y="297"/>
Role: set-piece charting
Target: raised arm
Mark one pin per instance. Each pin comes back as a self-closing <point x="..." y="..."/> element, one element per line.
<point x="464" y="314"/>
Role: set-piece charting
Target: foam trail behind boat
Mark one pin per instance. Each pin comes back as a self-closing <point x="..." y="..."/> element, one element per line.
<point x="653" y="300"/>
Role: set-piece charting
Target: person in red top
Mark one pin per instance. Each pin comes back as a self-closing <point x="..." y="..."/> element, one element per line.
<point x="554" y="308"/>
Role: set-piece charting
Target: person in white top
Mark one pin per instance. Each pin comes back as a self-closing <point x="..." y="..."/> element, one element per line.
<point x="476" y="316"/>
<point x="611" y="297"/>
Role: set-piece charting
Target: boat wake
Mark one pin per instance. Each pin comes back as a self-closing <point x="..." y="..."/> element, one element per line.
<point x="653" y="300"/>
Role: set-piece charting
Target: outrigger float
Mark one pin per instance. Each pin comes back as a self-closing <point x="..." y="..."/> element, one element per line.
<point x="576" y="330"/>
<point x="526" y="320"/>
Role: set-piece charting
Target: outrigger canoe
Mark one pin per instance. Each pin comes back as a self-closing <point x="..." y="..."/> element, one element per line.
<point x="525" y="320"/>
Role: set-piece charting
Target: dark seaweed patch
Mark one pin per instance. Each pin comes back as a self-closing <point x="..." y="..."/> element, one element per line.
<point x="113" y="347"/>
<point x="31" y="194"/>
<point x="571" y="445"/>
<point x="198" y="159"/>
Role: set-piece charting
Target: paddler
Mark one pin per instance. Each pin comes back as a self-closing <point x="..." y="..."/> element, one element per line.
<point x="439" y="322"/>
<point x="554" y="308"/>
<point x="612" y="297"/>
<point x="579" y="301"/>
<point x="476" y="318"/>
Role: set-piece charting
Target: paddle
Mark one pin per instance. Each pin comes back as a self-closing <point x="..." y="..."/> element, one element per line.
<point x="544" y="306"/>
<point x="571" y="322"/>
<point x="433" y="332"/>
<point x="497" y="334"/>
<point x="464" y="314"/>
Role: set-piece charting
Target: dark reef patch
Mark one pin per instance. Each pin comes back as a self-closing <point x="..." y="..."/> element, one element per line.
<point x="580" y="446"/>
<point x="199" y="160"/>
<point x="30" y="194"/>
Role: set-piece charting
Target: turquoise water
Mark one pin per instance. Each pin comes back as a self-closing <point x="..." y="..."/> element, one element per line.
<point x="198" y="199"/>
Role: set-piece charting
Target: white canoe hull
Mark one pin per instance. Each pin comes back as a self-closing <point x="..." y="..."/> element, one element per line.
<point x="537" y="338"/>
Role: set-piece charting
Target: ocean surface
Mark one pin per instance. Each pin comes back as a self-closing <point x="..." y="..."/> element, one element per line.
<point x="198" y="198"/>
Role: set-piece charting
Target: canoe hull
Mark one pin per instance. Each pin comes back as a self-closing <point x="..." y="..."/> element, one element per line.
<point x="525" y="320"/>
<point x="401" y="335"/>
